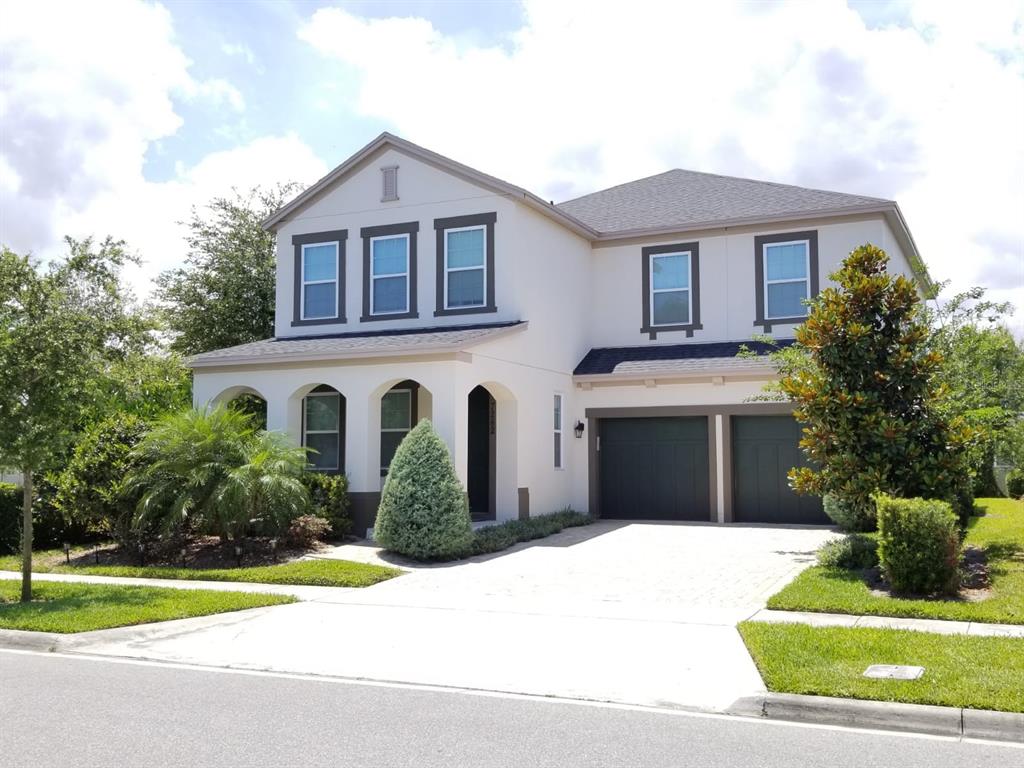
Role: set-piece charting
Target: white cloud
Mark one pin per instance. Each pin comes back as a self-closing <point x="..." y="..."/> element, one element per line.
<point x="80" y="107"/>
<point x="239" y="49"/>
<point x="931" y="115"/>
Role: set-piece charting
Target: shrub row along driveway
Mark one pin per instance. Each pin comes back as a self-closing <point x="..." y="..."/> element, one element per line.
<point x="637" y="613"/>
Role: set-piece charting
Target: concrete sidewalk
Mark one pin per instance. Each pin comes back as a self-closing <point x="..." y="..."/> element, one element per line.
<point x="938" y="626"/>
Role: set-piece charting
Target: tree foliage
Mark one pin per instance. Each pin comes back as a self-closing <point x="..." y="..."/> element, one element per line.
<point x="213" y="472"/>
<point x="59" y="326"/>
<point x="869" y="395"/>
<point x="423" y="511"/>
<point x="224" y="293"/>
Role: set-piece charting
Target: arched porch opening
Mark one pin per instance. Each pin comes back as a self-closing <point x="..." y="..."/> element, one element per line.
<point x="246" y="400"/>
<point x="401" y="406"/>
<point x="491" y="451"/>
<point x="318" y="419"/>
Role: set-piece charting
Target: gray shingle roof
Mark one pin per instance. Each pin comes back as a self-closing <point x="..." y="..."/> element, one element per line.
<point x="686" y="199"/>
<point x="352" y="345"/>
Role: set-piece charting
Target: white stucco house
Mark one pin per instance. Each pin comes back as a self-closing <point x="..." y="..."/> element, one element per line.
<point x="576" y="354"/>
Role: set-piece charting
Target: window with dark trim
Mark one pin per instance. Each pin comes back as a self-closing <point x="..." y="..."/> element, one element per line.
<point x="389" y="271"/>
<point x="398" y="411"/>
<point x="319" y="277"/>
<point x="323" y="430"/>
<point x="465" y="264"/>
<point x="671" y="288"/>
<point x="559" y="443"/>
<point x="785" y="276"/>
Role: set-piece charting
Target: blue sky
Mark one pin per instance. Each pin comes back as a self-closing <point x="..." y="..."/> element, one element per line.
<point x="129" y="112"/>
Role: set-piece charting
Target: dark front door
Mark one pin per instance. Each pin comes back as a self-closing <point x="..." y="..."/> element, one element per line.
<point x="481" y="468"/>
<point x="654" y="468"/>
<point x="764" y="449"/>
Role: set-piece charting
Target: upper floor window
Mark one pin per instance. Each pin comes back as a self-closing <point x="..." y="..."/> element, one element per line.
<point x="319" y="281"/>
<point x="465" y="264"/>
<point x="465" y="270"/>
<point x="319" y="278"/>
<point x="671" y="286"/>
<point x="389" y="271"/>
<point x="786" y="269"/>
<point x="389" y="260"/>
<point x="389" y="184"/>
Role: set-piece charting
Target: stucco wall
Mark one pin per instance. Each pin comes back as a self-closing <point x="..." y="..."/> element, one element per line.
<point x="727" y="281"/>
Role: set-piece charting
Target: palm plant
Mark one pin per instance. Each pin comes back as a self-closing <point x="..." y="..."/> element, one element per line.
<point x="212" y="471"/>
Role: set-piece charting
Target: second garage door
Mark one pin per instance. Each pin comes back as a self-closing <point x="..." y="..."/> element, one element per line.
<point x="654" y="468"/>
<point x="764" y="449"/>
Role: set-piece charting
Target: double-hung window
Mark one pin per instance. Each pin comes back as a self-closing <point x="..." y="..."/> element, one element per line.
<point x="395" y="423"/>
<point x="787" y="281"/>
<point x="786" y="275"/>
<point x="670" y="289"/>
<point x="389" y="276"/>
<point x="322" y="427"/>
<point x="465" y="267"/>
<point x="558" y="431"/>
<point x="319" y="294"/>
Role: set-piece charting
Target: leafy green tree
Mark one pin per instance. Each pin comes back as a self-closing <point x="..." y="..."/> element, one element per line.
<point x="213" y="472"/>
<point x="146" y="384"/>
<point x="983" y="374"/>
<point x="224" y="294"/>
<point x="59" y="326"/>
<point x="423" y="511"/>
<point x="869" y="394"/>
<point x="91" y="488"/>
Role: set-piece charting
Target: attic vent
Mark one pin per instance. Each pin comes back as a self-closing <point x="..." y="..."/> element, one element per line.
<point x="390" y="179"/>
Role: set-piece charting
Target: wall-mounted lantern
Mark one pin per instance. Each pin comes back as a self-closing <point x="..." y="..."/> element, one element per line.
<point x="578" y="429"/>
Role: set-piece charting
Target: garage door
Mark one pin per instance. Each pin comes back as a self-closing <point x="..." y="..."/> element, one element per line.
<point x="654" y="468"/>
<point x="764" y="449"/>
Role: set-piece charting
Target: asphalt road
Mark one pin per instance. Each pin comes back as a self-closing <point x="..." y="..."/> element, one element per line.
<point x="61" y="711"/>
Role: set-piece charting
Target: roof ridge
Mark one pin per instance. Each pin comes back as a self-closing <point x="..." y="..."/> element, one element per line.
<point x="746" y="179"/>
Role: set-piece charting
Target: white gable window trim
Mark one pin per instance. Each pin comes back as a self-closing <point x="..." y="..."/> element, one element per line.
<point x="374" y="276"/>
<point x="482" y="222"/>
<point x="303" y="279"/>
<point x="559" y="433"/>
<point x="389" y="183"/>
<point x="653" y="288"/>
<point x="468" y="270"/>
<point x="765" y="277"/>
<point x="773" y="250"/>
<point x="379" y="274"/>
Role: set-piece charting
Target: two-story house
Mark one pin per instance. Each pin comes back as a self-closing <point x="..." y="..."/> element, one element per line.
<point x="581" y="354"/>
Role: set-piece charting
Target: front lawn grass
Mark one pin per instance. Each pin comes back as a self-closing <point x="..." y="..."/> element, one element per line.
<point x="960" y="670"/>
<point x="65" y="608"/>
<point x="318" y="573"/>
<point x="1000" y="532"/>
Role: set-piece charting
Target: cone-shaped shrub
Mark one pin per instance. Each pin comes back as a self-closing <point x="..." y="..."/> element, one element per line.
<point x="423" y="512"/>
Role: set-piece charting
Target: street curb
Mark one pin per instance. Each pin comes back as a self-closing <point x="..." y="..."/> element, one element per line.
<point x="884" y="715"/>
<point x="21" y="640"/>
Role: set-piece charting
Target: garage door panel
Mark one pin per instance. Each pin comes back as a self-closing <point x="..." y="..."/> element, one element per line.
<point x="764" y="449"/>
<point x="654" y="468"/>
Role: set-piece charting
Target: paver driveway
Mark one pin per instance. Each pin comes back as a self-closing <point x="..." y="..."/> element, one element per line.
<point x="635" y="613"/>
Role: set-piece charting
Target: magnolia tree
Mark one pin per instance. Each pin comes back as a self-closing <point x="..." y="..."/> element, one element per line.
<point x="864" y="379"/>
<point x="59" y="327"/>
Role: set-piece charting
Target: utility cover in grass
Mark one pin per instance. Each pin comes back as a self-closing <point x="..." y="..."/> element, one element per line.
<point x="423" y="511"/>
<point x="893" y="672"/>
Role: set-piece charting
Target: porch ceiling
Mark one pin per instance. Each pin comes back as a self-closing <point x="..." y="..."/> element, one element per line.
<point x="390" y="343"/>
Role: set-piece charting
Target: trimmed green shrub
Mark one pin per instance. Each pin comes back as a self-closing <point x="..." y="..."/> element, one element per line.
<point x="328" y="496"/>
<point x="853" y="552"/>
<point x="495" y="538"/>
<point x="918" y="545"/>
<point x="10" y="518"/>
<point x="1015" y="483"/>
<point x="91" y="489"/>
<point x="306" y="530"/>
<point x="423" y="511"/>
<point x="850" y="514"/>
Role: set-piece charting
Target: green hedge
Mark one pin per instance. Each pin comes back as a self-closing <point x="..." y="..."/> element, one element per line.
<point x="1015" y="483"/>
<point x="918" y="545"/>
<point x="853" y="552"/>
<point x="328" y="495"/>
<point x="495" y="538"/>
